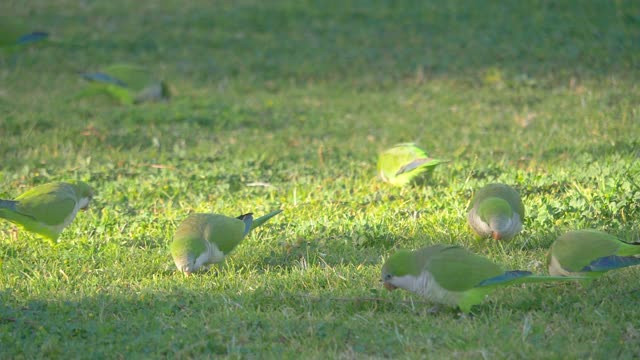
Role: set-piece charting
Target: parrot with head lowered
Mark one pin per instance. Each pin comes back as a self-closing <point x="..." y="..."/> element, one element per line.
<point x="129" y="84"/>
<point x="496" y="211"/>
<point x="590" y="253"/>
<point x="205" y="239"/>
<point x="403" y="163"/>
<point x="451" y="275"/>
<point x="14" y="35"/>
<point x="47" y="209"/>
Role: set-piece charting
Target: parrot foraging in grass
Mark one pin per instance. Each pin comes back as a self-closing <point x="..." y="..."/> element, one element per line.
<point x="496" y="211"/>
<point x="14" y="35"/>
<point x="451" y="275"/>
<point x="47" y="209"/>
<point x="129" y="84"/>
<point x="403" y="163"/>
<point x="590" y="253"/>
<point x="205" y="239"/>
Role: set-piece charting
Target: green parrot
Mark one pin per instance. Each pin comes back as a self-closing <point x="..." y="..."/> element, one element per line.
<point x="205" y="239"/>
<point x="403" y="163"/>
<point x="14" y="35"/>
<point x="47" y="209"/>
<point x="451" y="275"/>
<point x="497" y="211"/>
<point x="590" y="253"/>
<point x="129" y="84"/>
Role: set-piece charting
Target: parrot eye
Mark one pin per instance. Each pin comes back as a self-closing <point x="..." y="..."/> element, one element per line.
<point x="387" y="277"/>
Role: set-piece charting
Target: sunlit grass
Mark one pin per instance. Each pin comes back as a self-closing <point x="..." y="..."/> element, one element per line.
<point x="286" y="105"/>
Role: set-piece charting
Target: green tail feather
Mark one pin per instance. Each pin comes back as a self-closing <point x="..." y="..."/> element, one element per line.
<point x="261" y="220"/>
<point x="521" y="277"/>
<point x="477" y="294"/>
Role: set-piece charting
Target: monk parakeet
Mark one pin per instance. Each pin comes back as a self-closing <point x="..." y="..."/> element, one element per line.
<point x="14" y="35"/>
<point x="205" y="239"/>
<point x="590" y="253"/>
<point x="497" y="211"/>
<point x="129" y="84"/>
<point x="451" y="275"/>
<point x="49" y="208"/>
<point x="402" y="163"/>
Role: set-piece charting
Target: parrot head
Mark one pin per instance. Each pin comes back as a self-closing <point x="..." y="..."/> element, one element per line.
<point x="187" y="267"/>
<point x="398" y="269"/>
<point x="498" y="214"/>
<point x="84" y="193"/>
<point x="190" y="254"/>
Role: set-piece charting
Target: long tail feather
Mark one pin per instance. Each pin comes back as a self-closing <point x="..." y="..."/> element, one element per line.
<point x="520" y="277"/>
<point x="261" y="220"/>
<point x="478" y="293"/>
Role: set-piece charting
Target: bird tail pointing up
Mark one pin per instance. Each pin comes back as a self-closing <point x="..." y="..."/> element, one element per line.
<point x="261" y="220"/>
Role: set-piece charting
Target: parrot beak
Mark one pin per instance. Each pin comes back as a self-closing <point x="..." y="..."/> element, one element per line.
<point x="389" y="286"/>
<point x="496" y="235"/>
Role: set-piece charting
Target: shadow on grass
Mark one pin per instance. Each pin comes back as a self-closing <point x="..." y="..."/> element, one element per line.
<point x="177" y="322"/>
<point x="360" y="40"/>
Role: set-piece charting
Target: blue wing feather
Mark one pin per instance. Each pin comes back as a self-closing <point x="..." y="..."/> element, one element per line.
<point x="611" y="262"/>
<point x="413" y="165"/>
<point x="507" y="276"/>
<point x="248" y="220"/>
<point x="32" y="37"/>
<point x="105" y="78"/>
<point x="8" y="204"/>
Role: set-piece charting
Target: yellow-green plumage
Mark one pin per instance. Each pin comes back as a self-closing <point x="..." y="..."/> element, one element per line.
<point x="128" y="84"/>
<point x="14" y="35"/>
<point x="205" y="239"/>
<point x="451" y="275"/>
<point x="496" y="211"/>
<point x="404" y="163"/>
<point x="590" y="253"/>
<point x="49" y="208"/>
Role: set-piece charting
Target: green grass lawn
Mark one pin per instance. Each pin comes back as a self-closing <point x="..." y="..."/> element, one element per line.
<point x="302" y="96"/>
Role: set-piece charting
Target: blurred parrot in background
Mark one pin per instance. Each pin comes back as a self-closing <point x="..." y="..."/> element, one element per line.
<point x="47" y="209"/>
<point x="451" y="275"/>
<point x="128" y="84"/>
<point x="403" y="163"/>
<point x="14" y="35"/>
<point x="205" y="239"/>
<point x="496" y="211"/>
